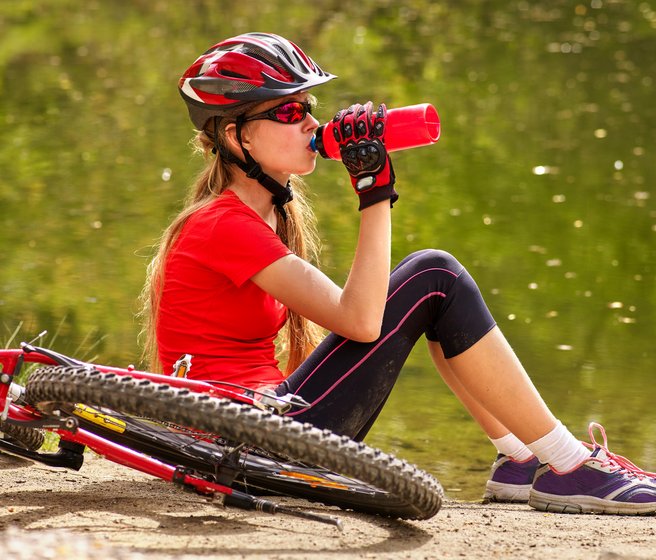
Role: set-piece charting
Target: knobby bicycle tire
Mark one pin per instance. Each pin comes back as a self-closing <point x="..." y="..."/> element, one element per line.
<point x="28" y="438"/>
<point x="407" y="493"/>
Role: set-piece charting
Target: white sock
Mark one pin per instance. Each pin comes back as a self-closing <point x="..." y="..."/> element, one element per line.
<point x="560" y="449"/>
<point x="512" y="446"/>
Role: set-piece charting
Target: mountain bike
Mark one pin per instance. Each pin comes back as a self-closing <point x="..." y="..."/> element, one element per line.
<point x="216" y="439"/>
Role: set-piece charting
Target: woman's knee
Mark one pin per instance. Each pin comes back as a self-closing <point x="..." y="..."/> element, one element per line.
<point x="427" y="259"/>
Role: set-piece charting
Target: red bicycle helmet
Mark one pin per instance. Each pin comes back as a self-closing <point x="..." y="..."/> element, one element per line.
<point x="249" y="67"/>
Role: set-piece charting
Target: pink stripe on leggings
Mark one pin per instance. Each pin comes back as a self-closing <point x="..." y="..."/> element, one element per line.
<point x="364" y="359"/>
<point x="396" y="330"/>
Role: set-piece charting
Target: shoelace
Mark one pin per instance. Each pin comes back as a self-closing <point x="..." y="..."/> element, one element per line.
<point x="616" y="462"/>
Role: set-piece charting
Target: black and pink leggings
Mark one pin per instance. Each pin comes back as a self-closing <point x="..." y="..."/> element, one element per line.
<point x="347" y="382"/>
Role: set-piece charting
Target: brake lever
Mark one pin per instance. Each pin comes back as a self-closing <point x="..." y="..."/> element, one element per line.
<point x="58" y="358"/>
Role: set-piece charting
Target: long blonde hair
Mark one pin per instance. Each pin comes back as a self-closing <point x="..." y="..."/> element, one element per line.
<point x="298" y="232"/>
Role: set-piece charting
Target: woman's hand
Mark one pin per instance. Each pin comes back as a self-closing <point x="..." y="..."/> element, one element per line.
<point x="360" y="134"/>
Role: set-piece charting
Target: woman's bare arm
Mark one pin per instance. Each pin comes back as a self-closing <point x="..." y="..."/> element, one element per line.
<point x="354" y="311"/>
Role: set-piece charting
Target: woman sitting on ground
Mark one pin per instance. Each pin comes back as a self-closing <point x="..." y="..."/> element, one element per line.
<point x="234" y="268"/>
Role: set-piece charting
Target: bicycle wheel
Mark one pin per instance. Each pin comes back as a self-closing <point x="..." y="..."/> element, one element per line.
<point x="381" y="483"/>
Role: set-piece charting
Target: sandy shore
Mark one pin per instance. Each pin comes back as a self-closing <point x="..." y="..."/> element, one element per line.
<point x="109" y="512"/>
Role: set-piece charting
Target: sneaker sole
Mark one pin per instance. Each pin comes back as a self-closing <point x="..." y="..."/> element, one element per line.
<point x="586" y="504"/>
<point x="506" y="493"/>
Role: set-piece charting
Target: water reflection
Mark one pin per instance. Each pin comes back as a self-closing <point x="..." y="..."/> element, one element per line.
<point x="542" y="182"/>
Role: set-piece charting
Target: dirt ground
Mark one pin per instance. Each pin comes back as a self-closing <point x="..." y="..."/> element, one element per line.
<point x="112" y="513"/>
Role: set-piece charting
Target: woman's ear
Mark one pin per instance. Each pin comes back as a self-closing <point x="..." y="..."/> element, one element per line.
<point x="231" y="138"/>
<point x="233" y="142"/>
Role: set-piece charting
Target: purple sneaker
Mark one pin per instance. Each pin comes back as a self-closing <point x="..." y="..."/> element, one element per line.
<point x="603" y="483"/>
<point x="510" y="480"/>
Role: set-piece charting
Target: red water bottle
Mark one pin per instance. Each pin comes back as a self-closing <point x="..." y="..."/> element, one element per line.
<point x="406" y="127"/>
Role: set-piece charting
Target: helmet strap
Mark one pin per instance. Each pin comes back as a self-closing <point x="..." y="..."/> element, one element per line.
<point x="215" y="134"/>
<point x="281" y="194"/>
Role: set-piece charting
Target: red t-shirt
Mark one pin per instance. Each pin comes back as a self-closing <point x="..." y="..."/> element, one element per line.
<point x="209" y="307"/>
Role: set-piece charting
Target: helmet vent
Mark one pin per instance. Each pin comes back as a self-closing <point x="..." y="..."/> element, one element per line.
<point x="300" y="63"/>
<point x="233" y="74"/>
<point x="264" y="56"/>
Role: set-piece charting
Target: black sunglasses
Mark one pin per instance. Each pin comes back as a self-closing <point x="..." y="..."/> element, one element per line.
<point x="290" y="112"/>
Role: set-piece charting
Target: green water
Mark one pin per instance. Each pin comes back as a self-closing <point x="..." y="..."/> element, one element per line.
<point x="542" y="183"/>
